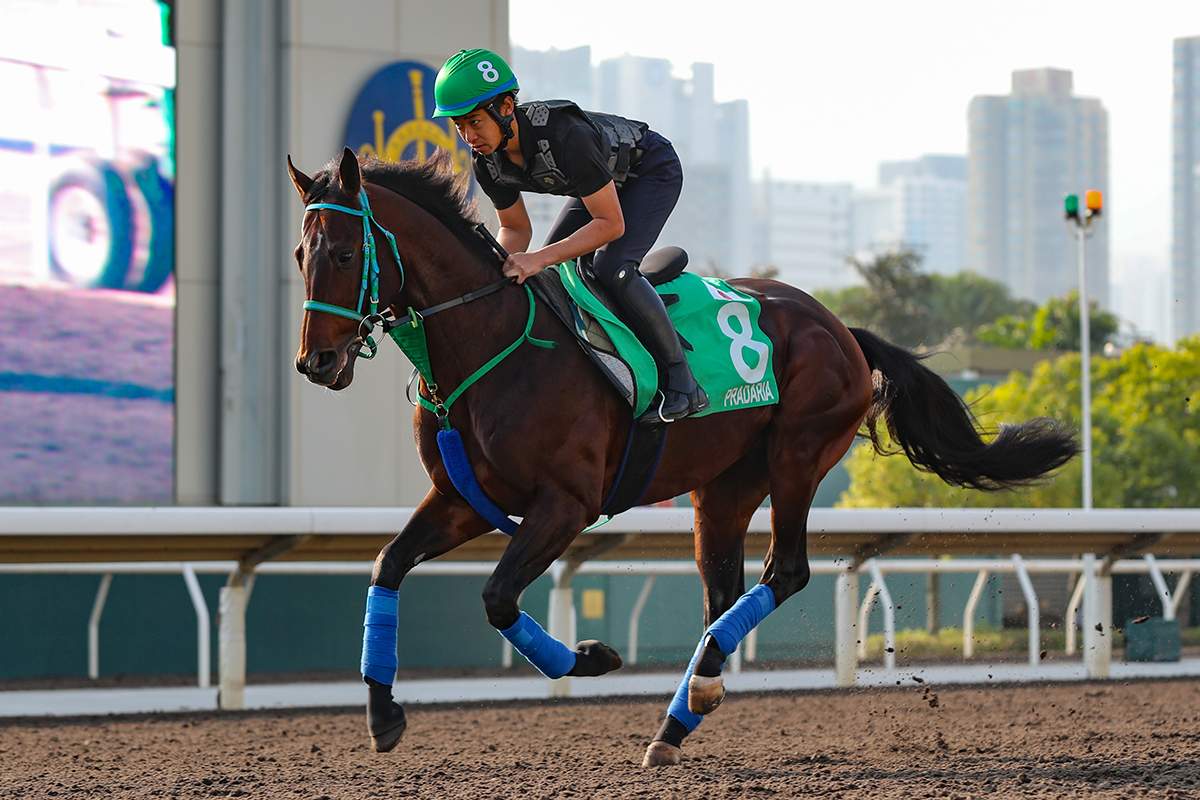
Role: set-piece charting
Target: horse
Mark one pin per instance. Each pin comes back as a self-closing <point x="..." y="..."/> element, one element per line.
<point x="544" y="431"/>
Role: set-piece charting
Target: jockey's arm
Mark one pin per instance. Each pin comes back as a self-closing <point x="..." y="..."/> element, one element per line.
<point x="516" y="231"/>
<point x="607" y="224"/>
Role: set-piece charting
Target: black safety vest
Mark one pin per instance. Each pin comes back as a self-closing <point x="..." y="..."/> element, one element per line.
<point x="620" y="138"/>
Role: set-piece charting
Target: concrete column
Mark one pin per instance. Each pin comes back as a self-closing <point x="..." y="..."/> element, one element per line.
<point x="252" y="260"/>
<point x="845" y="606"/>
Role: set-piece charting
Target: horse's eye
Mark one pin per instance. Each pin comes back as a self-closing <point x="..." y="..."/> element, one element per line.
<point x="345" y="257"/>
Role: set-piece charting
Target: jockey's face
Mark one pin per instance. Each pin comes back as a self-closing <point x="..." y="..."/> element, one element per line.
<point x="481" y="133"/>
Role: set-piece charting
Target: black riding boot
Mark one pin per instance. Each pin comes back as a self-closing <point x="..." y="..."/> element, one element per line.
<point x="647" y="316"/>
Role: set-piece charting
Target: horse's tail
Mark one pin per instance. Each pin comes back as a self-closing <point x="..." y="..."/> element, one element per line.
<point x="937" y="431"/>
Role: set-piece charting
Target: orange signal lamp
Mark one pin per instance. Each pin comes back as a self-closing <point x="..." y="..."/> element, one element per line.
<point x="1095" y="201"/>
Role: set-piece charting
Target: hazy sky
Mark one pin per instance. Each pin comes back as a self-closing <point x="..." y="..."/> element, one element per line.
<point x="837" y="87"/>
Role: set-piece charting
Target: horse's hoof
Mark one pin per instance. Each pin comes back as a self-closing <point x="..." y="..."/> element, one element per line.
<point x="386" y="738"/>
<point x="661" y="754"/>
<point x="386" y="724"/>
<point x="705" y="694"/>
<point x="594" y="658"/>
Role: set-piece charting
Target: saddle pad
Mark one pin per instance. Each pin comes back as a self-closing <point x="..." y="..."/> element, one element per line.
<point x="730" y="356"/>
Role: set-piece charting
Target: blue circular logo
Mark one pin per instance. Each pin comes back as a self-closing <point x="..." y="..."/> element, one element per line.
<point x="390" y="118"/>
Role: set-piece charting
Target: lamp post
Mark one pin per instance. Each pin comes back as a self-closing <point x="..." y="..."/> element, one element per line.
<point x="1081" y="222"/>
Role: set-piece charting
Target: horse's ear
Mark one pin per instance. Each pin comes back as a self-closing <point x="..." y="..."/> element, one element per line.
<point x="348" y="172"/>
<point x="303" y="182"/>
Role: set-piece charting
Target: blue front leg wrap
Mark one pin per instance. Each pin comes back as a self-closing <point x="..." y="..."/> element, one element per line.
<point x="679" y="703"/>
<point x="552" y="658"/>
<point x="379" y="659"/>
<point x="750" y="609"/>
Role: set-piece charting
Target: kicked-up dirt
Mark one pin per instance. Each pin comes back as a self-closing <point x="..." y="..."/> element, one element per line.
<point x="1097" y="740"/>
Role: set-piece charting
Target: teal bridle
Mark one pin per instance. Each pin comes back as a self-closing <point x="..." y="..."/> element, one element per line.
<point x="408" y="331"/>
<point x="370" y="273"/>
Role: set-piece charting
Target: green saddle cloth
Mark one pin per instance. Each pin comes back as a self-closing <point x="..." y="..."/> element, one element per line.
<point x="730" y="356"/>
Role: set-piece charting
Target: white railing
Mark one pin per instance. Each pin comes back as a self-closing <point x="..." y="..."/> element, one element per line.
<point x="1073" y="526"/>
<point x="878" y="569"/>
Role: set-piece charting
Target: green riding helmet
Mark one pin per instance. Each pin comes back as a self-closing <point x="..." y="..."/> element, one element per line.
<point x="468" y="80"/>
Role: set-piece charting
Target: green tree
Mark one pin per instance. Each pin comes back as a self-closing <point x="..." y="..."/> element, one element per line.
<point x="910" y="308"/>
<point x="1145" y="437"/>
<point x="1054" y="326"/>
<point x="967" y="301"/>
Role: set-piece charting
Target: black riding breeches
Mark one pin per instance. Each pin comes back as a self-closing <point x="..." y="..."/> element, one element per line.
<point x="647" y="200"/>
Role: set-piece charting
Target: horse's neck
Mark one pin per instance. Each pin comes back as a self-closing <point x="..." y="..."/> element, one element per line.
<point x="438" y="268"/>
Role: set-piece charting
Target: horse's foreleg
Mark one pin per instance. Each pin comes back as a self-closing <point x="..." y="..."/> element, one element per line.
<point x="436" y="527"/>
<point x="723" y="511"/>
<point x="541" y="538"/>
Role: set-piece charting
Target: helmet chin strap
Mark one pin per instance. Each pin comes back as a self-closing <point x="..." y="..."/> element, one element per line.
<point x="504" y="121"/>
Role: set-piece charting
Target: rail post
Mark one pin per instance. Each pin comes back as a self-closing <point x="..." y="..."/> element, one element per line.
<point x="845" y="604"/>
<point x="562" y="617"/>
<point x="1097" y="617"/>
<point x="1034" y="612"/>
<point x="231" y="648"/>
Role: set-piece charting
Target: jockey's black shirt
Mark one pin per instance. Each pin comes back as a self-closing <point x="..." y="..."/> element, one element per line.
<point x="579" y="153"/>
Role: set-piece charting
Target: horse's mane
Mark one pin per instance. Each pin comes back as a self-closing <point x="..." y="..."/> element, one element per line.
<point x="431" y="184"/>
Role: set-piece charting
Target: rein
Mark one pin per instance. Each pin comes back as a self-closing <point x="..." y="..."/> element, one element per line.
<point x="408" y="332"/>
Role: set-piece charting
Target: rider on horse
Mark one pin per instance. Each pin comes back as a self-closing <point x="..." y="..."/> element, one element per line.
<point x="623" y="180"/>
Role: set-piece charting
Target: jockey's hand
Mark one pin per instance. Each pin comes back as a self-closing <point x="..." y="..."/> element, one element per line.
<point x="522" y="266"/>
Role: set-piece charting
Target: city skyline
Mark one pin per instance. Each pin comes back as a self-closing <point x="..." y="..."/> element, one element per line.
<point x="918" y="65"/>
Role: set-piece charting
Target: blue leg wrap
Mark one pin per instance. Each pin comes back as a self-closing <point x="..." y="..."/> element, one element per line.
<point x="552" y="658"/>
<point x="750" y="609"/>
<point x="379" y="659"/>
<point x="679" y="703"/>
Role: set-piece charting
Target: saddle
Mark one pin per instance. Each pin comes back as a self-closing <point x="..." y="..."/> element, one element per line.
<point x="629" y="370"/>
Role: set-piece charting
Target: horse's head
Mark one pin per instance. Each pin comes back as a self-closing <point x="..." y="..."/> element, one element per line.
<point x="331" y="259"/>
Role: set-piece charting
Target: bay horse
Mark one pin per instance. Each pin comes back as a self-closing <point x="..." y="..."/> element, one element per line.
<point x="544" y="431"/>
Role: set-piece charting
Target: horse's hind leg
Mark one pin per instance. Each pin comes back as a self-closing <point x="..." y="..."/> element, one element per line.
<point x="436" y="527"/>
<point x="723" y="511"/>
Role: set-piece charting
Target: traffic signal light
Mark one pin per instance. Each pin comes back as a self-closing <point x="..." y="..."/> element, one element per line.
<point x="1072" y="207"/>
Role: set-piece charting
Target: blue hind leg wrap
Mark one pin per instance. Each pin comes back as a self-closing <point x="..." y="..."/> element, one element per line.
<point x="379" y="660"/>
<point x="552" y="658"/>
<point x="750" y="609"/>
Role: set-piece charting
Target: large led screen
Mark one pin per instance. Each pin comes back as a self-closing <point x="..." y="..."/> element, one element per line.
<point x="87" y="218"/>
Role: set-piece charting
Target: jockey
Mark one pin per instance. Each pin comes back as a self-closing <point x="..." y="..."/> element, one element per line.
<point x="623" y="180"/>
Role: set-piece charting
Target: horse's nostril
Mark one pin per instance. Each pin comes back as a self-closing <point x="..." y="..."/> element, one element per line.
<point x="316" y="363"/>
<point x="325" y="361"/>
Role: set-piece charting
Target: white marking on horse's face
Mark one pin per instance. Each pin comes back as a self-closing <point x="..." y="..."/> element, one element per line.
<point x="420" y="557"/>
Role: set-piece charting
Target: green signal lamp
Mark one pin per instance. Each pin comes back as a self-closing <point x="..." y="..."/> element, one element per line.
<point x="1071" y="205"/>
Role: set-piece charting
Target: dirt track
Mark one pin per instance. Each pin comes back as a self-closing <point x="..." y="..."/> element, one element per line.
<point x="1103" y="740"/>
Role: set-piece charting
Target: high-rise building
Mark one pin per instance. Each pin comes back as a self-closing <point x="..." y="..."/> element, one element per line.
<point x="805" y="231"/>
<point x="1185" y="188"/>
<point x="1027" y="150"/>
<point x="920" y="205"/>
<point x="713" y="219"/>
<point x="554" y="74"/>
